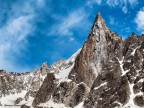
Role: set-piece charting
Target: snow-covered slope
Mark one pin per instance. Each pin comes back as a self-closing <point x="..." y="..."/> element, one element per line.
<point x="21" y="88"/>
<point x="107" y="72"/>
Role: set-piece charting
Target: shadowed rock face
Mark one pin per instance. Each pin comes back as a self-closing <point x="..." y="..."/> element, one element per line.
<point x="107" y="72"/>
<point x="27" y="83"/>
<point x="46" y="90"/>
<point x="109" y="88"/>
<point x="89" y="62"/>
<point x="70" y="93"/>
<point x="97" y="67"/>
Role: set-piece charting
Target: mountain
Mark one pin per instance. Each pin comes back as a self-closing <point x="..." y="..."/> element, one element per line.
<point x="17" y="89"/>
<point x="20" y="87"/>
<point x="107" y="72"/>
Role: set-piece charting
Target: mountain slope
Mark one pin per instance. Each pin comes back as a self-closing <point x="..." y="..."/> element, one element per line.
<point x="107" y="72"/>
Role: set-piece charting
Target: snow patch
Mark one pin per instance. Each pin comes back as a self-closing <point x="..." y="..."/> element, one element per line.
<point x="72" y="58"/>
<point x="134" y="50"/>
<point x="10" y="99"/>
<point x="100" y="86"/>
<point x="52" y="104"/>
<point x="121" y="66"/>
<point x="63" y="74"/>
<point x="131" y="104"/>
<point x="80" y="105"/>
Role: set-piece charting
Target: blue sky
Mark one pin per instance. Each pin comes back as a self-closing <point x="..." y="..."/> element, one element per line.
<point x="37" y="31"/>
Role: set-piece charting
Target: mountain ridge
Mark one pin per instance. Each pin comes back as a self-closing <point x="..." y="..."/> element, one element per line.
<point x="107" y="72"/>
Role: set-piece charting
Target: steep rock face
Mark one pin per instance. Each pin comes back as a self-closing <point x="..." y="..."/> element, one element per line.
<point x="110" y="89"/>
<point x="89" y="62"/>
<point x="70" y="93"/>
<point x="36" y="79"/>
<point x="100" y="46"/>
<point x="44" y="94"/>
<point x="60" y="71"/>
<point x="121" y="81"/>
<point x="107" y="73"/>
<point x="20" y="86"/>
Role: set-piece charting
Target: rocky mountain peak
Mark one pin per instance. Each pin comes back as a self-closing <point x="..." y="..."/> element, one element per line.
<point x="2" y="72"/>
<point x="99" y="23"/>
<point x="107" y="72"/>
<point x="93" y="53"/>
<point x="133" y="34"/>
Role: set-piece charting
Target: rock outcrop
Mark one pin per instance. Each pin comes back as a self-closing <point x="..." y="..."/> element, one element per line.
<point x="22" y="86"/>
<point x="46" y="90"/>
<point x="107" y="72"/>
<point x="89" y="62"/>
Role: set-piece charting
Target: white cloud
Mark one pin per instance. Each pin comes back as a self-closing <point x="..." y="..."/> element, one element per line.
<point x="120" y="3"/>
<point x="71" y="39"/>
<point x="41" y="3"/>
<point x="18" y="28"/>
<point x="124" y="9"/>
<point x="123" y="4"/>
<point x="140" y="20"/>
<point x="98" y="2"/>
<point x="133" y="2"/>
<point x="74" y="19"/>
<point x="13" y="35"/>
<point x="112" y="20"/>
<point x="90" y="3"/>
<point x="112" y="2"/>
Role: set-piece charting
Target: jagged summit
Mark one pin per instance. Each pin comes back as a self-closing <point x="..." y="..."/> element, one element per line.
<point x="98" y="16"/>
<point x="106" y="72"/>
<point x="92" y="54"/>
<point x="99" y="23"/>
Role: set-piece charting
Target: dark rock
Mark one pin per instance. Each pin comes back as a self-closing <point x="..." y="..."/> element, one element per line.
<point x="18" y="100"/>
<point x="25" y="106"/>
<point x="139" y="100"/>
<point x="46" y="90"/>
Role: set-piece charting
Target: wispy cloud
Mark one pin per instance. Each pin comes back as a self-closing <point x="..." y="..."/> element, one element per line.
<point x="92" y="2"/>
<point x="133" y="2"/>
<point x="13" y="37"/>
<point x="112" y="3"/>
<point x="112" y="21"/>
<point x="74" y="19"/>
<point x="41" y="3"/>
<point x="124" y="9"/>
<point x="52" y="25"/>
<point x="123" y="4"/>
<point x="14" y="34"/>
<point x="140" y="20"/>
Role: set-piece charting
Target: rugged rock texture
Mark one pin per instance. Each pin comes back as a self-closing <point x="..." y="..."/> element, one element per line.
<point x="70" y="93"/>
<point x="53" y="85"/>
<point x="107" y="72"/>
<point x="17" y="83"/>
<point x="46" y="90"/>
<point x="93" y="54"/>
